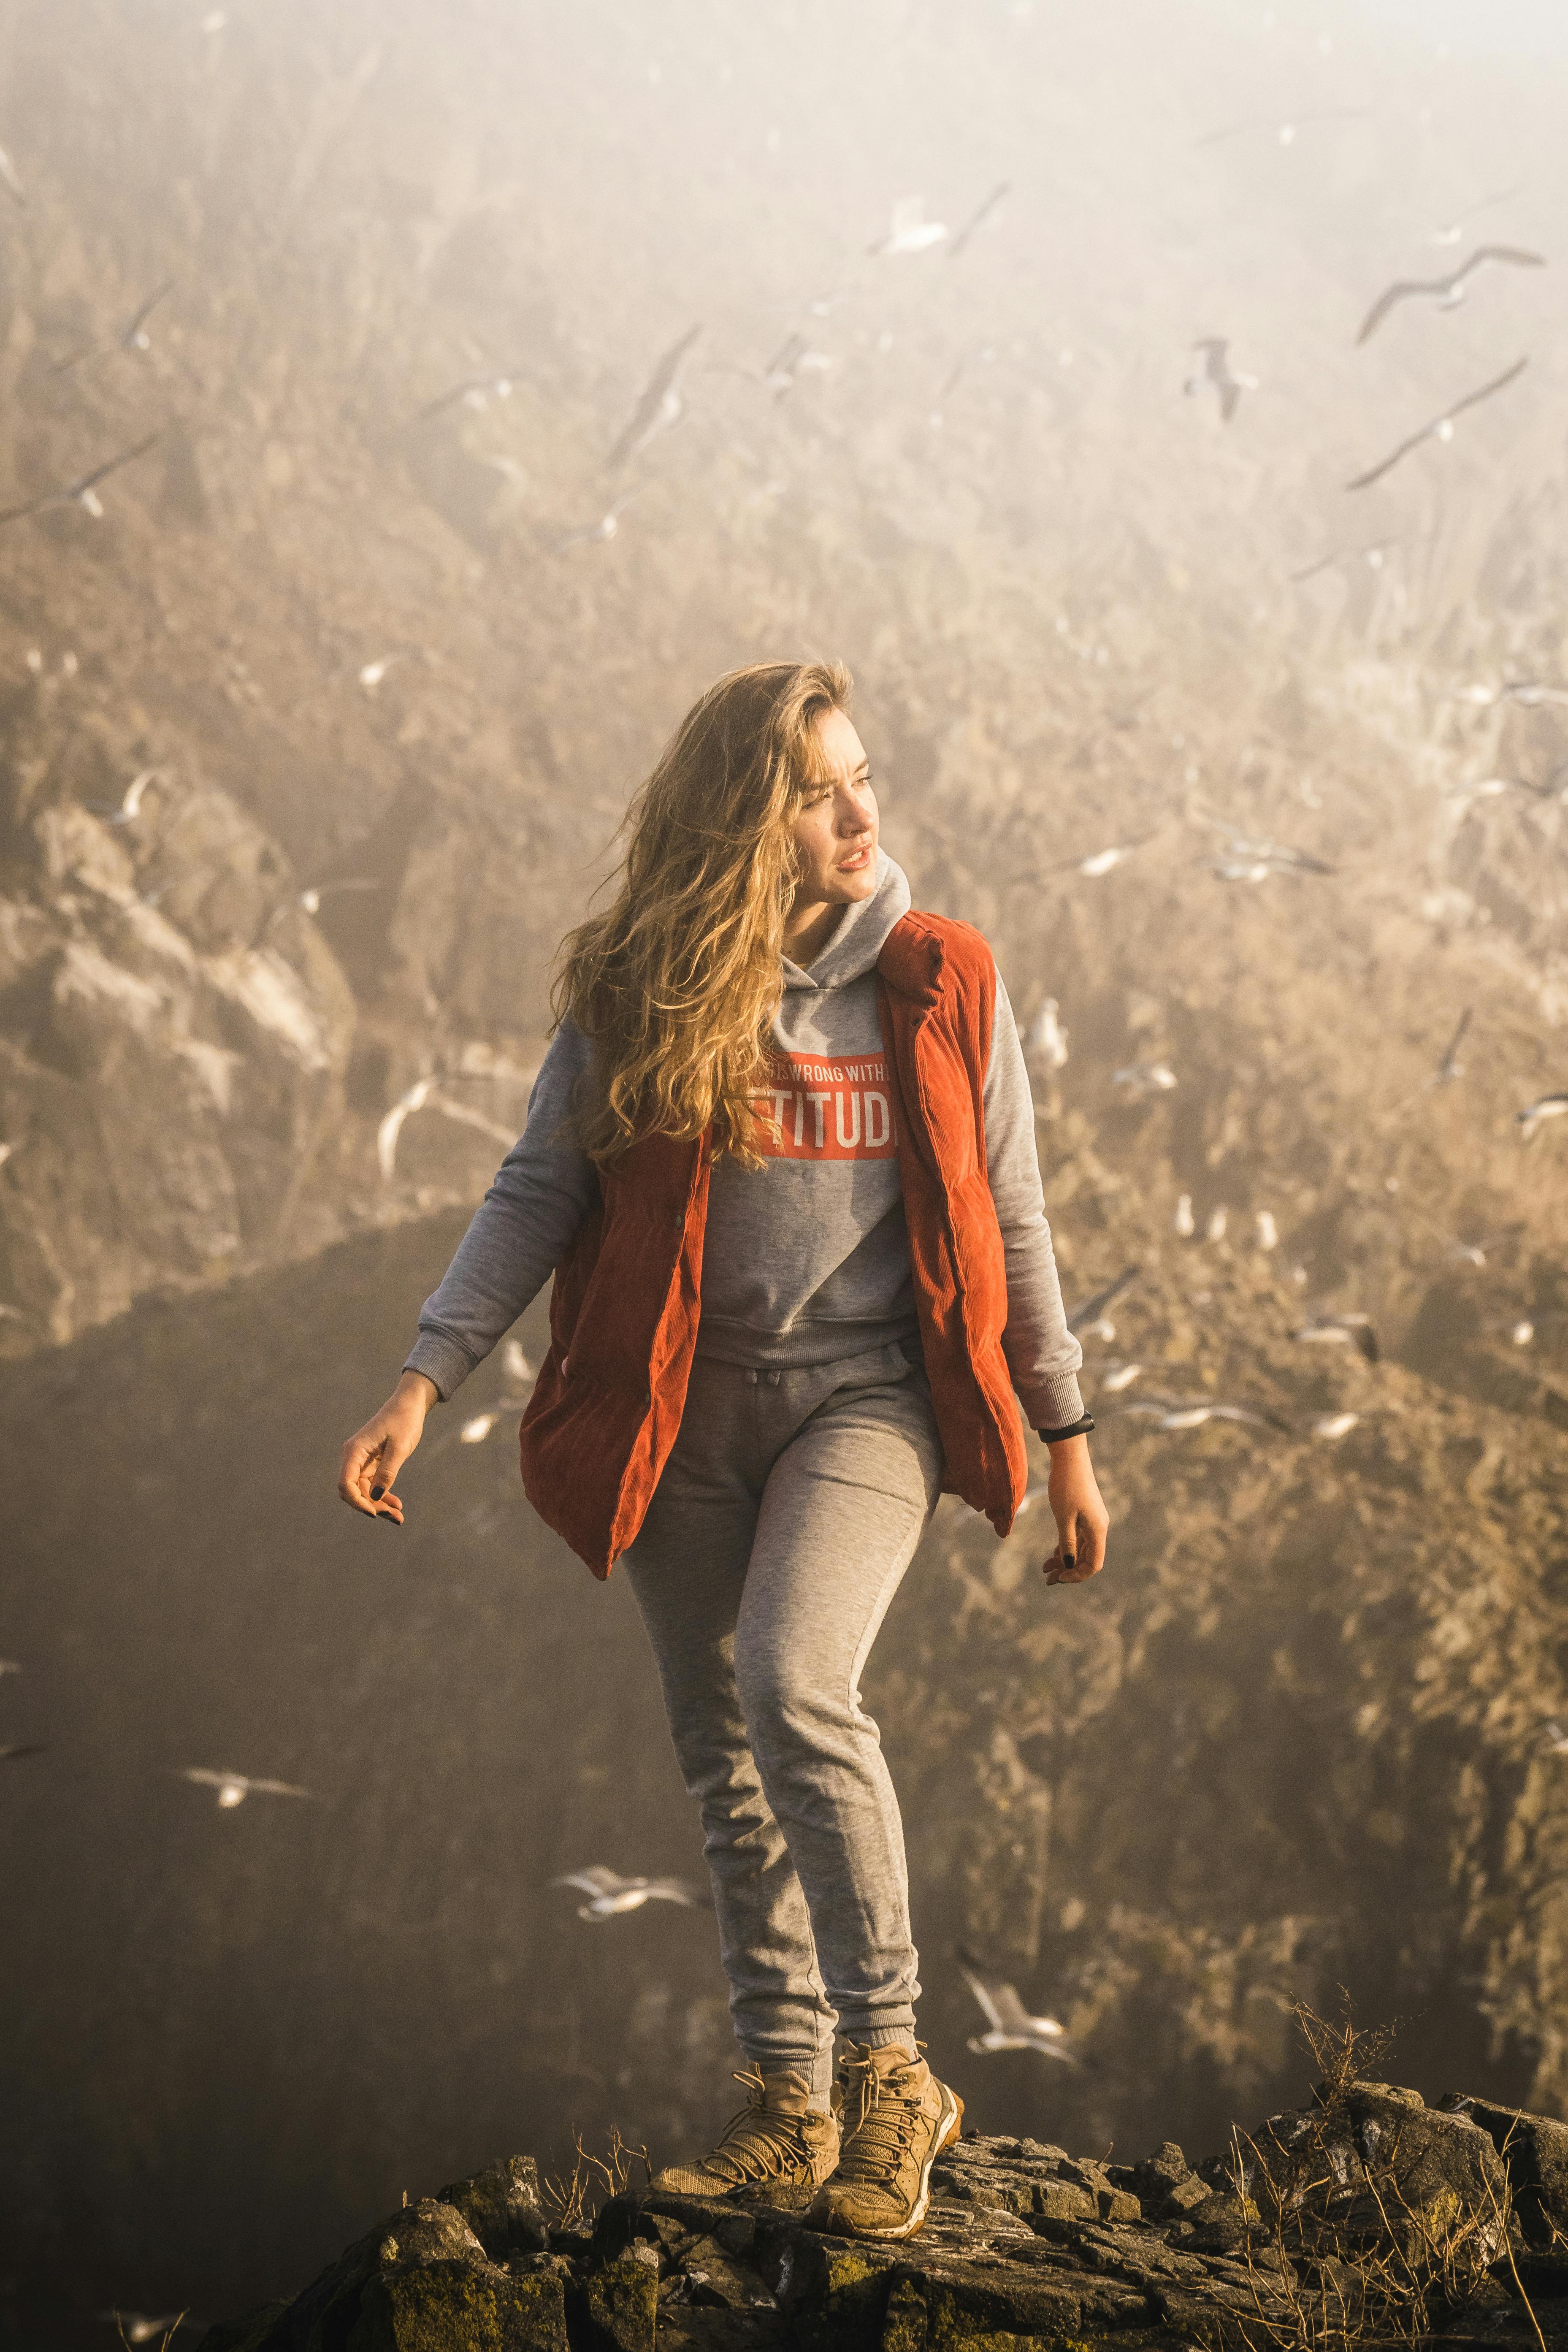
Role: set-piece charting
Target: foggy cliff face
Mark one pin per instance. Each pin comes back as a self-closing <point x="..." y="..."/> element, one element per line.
<point x="338" y="619"/>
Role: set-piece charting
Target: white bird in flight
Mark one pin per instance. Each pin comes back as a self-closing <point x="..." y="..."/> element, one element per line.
<point x="373" y="673"/>
<point x="474" y="392"/>
<point x="1142" y="1080"/>
<point x="1171" y="1415"/>
<point x="129" y="808"/>
<point x="311" y="899"/>
<point x="1533" y="1114"/>
<point x="1008" y="2024"/>
<point x="422" y="1094"/>
<point x="83" y="491"/>
<point x="1284" y="133"/>
<point x="659" y="405"/>
<point x="233" y="1788"/>
<point x="1266" y="1230"/>
<point x="1045" y="1040"/>
<point x="131" y="337"/>
<point x="609" y="1894"/>
<point x="1216" y="370"/>
<point x="908" y="231"/>
<point x="1332" y="1425"/>
<point x="1448" y="290"/>
<point x="1553" y="1738"/>
<point x="594" y="534"/>
<point x="1350" y="1329"/>
<point x="1437" y="428"/>
<point x="1452" y="231"/>
<point x="1182" y="1222"/>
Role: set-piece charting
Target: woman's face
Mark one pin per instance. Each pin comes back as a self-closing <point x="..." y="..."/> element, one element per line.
<point x="837" y="830"/>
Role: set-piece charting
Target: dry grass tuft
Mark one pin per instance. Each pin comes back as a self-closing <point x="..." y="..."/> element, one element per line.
<point x="574" y="2197"/>
<point x="1343" y="2257"/>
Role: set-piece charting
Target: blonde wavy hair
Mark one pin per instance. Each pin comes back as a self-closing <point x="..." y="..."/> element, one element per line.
<point x="678" y="981"/>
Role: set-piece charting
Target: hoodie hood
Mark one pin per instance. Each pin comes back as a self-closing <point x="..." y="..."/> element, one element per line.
<point x="852" y="949"/>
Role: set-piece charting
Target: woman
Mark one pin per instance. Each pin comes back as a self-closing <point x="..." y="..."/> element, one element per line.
<point x="781" y="1159"/>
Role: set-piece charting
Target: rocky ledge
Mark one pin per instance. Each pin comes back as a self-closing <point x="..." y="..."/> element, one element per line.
<point x="1366" y="2218"/>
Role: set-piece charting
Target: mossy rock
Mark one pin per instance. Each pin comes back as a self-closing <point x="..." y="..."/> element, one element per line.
<point x="617" y="2308"/>
<point x="925" y="2316"/>
<point x="459" y="2307"/>
<point x="835" y="2293"/>
<point x="502" y="2205"/>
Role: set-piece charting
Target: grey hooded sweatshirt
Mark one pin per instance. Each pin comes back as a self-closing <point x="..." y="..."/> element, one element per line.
<point x="806" y="1260"/>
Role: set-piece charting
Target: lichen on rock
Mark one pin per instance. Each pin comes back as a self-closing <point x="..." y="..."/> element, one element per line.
<point x="1366" y="2218"/>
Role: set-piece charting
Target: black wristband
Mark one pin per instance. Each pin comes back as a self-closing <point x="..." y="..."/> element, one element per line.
<point x="1079" y="1428"/>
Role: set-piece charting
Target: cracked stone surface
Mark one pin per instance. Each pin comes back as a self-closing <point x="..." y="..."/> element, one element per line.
<point x="1023" y="2244"/>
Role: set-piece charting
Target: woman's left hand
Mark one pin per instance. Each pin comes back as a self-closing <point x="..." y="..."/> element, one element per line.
<point x="1082" y="1521"/>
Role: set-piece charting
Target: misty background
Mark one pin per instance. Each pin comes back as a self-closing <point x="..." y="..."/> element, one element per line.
<point x="354" y="619"/>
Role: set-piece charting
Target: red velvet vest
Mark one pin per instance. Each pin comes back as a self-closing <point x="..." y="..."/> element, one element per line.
<point x="628" y="1295"/>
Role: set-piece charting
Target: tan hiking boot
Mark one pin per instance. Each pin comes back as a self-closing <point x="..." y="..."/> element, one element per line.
<point x="896" y="2117"/>
<point x="777" y="2140"/>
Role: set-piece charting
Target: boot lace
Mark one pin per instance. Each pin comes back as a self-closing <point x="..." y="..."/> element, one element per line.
<point x="878" y="2127"/>
<point x="758" y="2143"/>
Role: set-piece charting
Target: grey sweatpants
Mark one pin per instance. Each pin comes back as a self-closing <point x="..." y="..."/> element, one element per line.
<point x="789" y="1508"/>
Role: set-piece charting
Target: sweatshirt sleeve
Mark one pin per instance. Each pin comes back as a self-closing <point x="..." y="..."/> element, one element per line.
<point x="520" y="1233"/>
<point x="1043" y="1357"/>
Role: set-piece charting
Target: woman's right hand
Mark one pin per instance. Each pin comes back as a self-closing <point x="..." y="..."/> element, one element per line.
<point x="375" y="1453"/>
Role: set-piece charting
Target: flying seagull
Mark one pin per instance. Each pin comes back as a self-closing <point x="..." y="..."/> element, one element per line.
<point x="1089" y="1310"/>
<point x="1273" y="856"/>
<point x="83" y="491"/>
<point x="1437" y="428"/>
<point x="1450" y="1067"/>
<point x="129" y="808"/>
<point x="1216" y="370"/>
<point x="131" y="337"/>
<point x="1142" y="1080"/>
<point x="608" y="526"/>
<point x="1371" y="555"/>
<point x="474" y="392"/>
<point x="1545" y="1106"/>
<point x="794" y="357"/>
<point x="1554" y="1739"/>
<point x="1284" y="133"/>
<point x="908" y="231"/>
<point x="1100" y="861"/>
<point x="8" y="173"/>
<point x="1332" y="1425"/>
<point x="1347" y="1330"/>
<point x="1008" y="2024"/>
<point x="659" y="406"/>
<point x="610" y="1894"/>
<point x="1170" y="1413"/>
<point x="420" y="1096"/>
<point x="372" y="672"/>
<point x="311" y="899"/>
<point x="1448" y="291"/>
<point x="233" y="1788"/>
<point x="982" y="212"/>
<point x="1452" y="231"/>
<point x="20" y="1748"/>
<point x="1045" y="1039"/>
